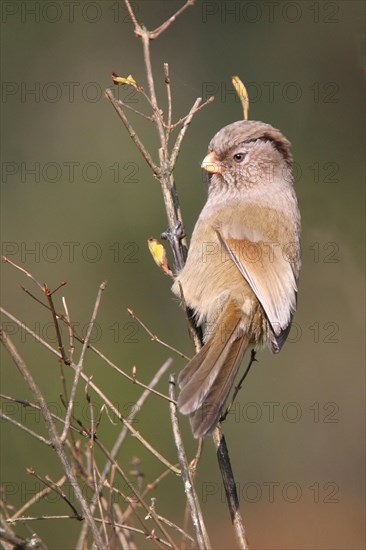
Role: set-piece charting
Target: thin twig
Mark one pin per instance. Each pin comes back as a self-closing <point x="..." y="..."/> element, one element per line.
<point x="71" y="351"/>
<point x="150" y="487"/>
<point x="118" y="444"/>
<point x="19" y="543"/>
<point x="36" y="498"/>
<point x="203" y="541"/>
<point x="169" y="98"/>
<point x="126" y="106"/>
<point x="71" y="333"/>
<point x="153" y="337"/>
<point x="132" y="379"/>
<point x="135" y="492"/>
<point x="43" y="517"/>
<point x="57" y="288"/>
<point x="157" y="32"/>
<point x="48" y="293"/>
<point x="107" y="401"/>
<point x="145" y="37"/>
<point x="6" y="260"/>
<point x="50" y="484"/>
<point x="132" y="15"/>
<point x="56" y="443"/>
<point x="92" y="432"/>
<point x="151" y="533"/>
<point x="182" y="132"/>
<point x="239" y="385"/>
<point x="131" y="429"/>
<point x="91" y="324"/>
<point x="24" y="327"/>
<point x="135" y="138"/>
<point x="193" y="465"/>
<point x="80" y="364"/>
<point x="176" y="527"/>
<point x="147" y="534"/>
<point x="25" y="429"/>
<point x="230" y="487"/>
<point x="26" y="403"/>
<point x="183" y="119"/>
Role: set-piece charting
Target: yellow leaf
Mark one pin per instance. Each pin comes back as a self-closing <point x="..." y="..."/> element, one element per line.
<point x="123" y="81"/>
<point x="243" y="95"/>
<point x="158" y="252"/>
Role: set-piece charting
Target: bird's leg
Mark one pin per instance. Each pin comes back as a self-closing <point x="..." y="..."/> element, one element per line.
<point x="238" y="387"/>
<point x="175" y="235"/>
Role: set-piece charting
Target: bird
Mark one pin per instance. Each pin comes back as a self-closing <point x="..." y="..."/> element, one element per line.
<point x="242" y="269"/>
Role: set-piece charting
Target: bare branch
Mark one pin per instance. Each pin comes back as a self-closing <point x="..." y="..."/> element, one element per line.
<point x="119" y="441"/>
<point x="203" y="541"/>
<point x="26" y="403"/>
<point x="109" y="95"/>
<point x="136" y="493"/>
<point x="56" y="443"/>
<point x="40" y="518"/>
<point x="95" y="350"/>
<point x="25" y="429"/>
<point x="157" y="32"/>
<point x="147" y="534"/>
<point x="36" y="498"/>
<point x="19" y="543"/>
<point x="48" y="293"/>
<point x="169" y="97"/>
<point x="181" y="120"/>
<point x="79" y="366"/>
<point x="6" y="260"/>
<point x="153" y="337"/>
<point x="182" y="133"/>
<point x="131" y="429"/>
<point x="126" y="106"/>
<point x="54" y="487"/>
<point x="176" y="528"/>
<point x="145" y="37"/>
<point x="71" y="333"/>
<point x="230" y="487"/>
<point x="91" y="324"/>
<point x="133" y="17"/>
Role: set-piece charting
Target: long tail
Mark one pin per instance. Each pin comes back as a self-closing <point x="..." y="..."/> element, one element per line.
<point x="206" y="381"/>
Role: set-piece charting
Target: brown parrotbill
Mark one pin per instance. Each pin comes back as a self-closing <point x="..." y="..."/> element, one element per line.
<point x="241" y="274"/>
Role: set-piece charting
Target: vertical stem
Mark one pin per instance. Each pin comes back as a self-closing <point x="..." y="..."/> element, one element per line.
<point x="203" y="542"/>
<point x="230" y="488"/>
<point x="150" y="81"/>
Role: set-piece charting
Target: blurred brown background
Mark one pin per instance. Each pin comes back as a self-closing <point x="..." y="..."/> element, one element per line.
<point x="78" y="205"/>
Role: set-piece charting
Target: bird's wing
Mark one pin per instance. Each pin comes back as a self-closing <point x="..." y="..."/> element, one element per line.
<point x="270" y="274"/>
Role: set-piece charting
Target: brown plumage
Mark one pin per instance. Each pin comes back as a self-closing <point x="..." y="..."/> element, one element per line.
<point x="241" y="274"/>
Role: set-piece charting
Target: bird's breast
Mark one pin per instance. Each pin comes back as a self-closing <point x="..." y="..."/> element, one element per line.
<point x="210" y="278"/>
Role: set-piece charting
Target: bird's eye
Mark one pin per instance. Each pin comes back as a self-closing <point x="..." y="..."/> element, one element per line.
<point x="239" y="157"/>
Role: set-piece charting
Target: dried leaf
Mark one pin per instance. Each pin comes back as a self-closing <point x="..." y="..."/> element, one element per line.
<point x="123" y="81"/>
<point x="243" y="95"/>
<point x="158" y="252"/>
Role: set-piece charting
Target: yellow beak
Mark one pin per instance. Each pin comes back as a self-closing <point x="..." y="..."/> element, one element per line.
<point x="211" y="164"/>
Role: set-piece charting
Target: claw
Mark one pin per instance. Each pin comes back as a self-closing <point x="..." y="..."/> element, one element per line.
<point x="175" y="236"/>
